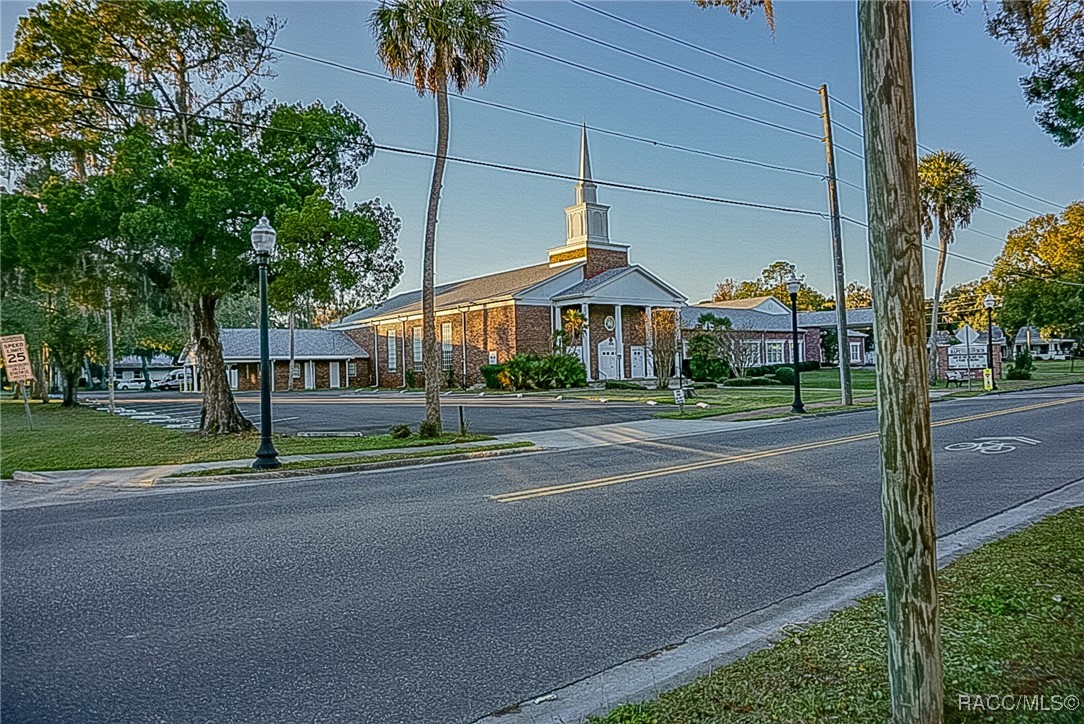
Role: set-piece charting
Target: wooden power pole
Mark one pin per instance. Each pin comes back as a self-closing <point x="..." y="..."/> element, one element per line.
<point x="843" y="349"/>
<point x="903" y="409"/>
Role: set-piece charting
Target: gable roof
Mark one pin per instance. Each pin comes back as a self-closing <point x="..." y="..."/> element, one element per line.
<point x="603" y="279"/>
<point x="767" y="304"/>
<point x="1036" y="337"/>
<point x="860" y="317"/>
<point x="244" y="344"/>
<point x="753" y="320"/>
<point x="478" y="289"/>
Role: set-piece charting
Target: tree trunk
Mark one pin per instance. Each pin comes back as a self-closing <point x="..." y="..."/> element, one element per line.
<point x="290" y="373"/>
<point x="41" y="375"/>
<point x="431" y="356"/>
<point x="938" y="280"/>
<point x="903" y="410"/>
<point x="145" y="368"/>
<point x="220" y="413"/>
<point x="71" y="388"/>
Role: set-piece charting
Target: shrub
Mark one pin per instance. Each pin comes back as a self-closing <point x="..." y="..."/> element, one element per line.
<point x="410" y="376"/>
<point x="531" y="372"/>
<point x="450" y="379"/>
<point x="785" y="375"/>
<point x="1018" y="374"/>
<point x="400" y="432"/>
<point x="751" y="382"/>
<point x="708" y="369"/>
<point x="808" y="365"/>
<point x="622" y="385"/>
<point x="491" y="374"/>
<point x="429" y="429"/>
<point x="1023" y="361"/>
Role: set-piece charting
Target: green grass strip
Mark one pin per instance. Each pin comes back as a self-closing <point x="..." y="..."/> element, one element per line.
<point x="1012" y="622"/>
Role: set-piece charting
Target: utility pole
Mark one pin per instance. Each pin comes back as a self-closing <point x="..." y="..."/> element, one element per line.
<point x="903" y="409"/>
<point x="109" y="345"/>
<point x="842" y="346"/>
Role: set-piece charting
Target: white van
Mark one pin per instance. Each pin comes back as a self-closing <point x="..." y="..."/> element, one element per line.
<point x="175" y="380"/>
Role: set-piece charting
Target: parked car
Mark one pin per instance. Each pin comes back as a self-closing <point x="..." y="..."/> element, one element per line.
<point x="175" y="380"/>
<point x="132" y="383"/>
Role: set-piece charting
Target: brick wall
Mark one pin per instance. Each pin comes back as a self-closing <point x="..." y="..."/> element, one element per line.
<point x="634" y="334"/>
<point x="533" y="330"/>
<point x="248" y="375"/>
<point x="599" y="260"/>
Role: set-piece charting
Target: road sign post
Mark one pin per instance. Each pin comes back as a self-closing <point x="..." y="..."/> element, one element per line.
<point x="17" y="363"/>
<point x="679" y="399"/>
<point x="987" y="379"/>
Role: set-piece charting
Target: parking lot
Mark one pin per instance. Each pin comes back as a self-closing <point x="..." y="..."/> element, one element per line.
<point x="375" y="412"/>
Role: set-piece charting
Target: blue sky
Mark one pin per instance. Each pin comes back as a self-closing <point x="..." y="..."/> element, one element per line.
<point x="967" y="95"/>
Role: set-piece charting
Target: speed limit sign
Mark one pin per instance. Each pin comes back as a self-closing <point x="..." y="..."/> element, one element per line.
<point x="16" y="358"/>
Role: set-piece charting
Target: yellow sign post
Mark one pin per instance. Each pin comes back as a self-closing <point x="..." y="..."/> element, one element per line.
<point x="987" y="379"/>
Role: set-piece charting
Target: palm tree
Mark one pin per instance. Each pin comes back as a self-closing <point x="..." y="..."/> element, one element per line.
<point x="437" y="43"/>
<point x="949" y="196"/>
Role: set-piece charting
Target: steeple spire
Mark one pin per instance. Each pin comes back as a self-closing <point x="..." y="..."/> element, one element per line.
<point x="586" y="191"/>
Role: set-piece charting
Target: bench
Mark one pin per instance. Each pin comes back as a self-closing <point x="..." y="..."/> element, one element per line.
<point x="959" y="377"/>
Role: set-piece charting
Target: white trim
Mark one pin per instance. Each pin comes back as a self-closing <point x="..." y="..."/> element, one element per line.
<point x="620" y="341"/>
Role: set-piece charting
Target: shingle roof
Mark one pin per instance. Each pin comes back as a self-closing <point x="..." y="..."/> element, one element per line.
<point x="749" y="303"/>
<point x="588" y="284"/>
<point x="478" y="289"/>
<point x="855" y="318"/>
<point x="244" y="344"/>
<point x="750" y="319"/>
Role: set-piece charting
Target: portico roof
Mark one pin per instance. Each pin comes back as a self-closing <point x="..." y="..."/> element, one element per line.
<point x="623" y="285"/>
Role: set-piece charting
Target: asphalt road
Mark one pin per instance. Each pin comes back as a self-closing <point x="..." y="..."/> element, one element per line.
<point x="414" y="596"/>
<point x="374" y="413"/>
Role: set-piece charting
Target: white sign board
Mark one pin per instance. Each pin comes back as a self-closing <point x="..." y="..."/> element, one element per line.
<point x="16" y="358"/>
<point x="679" y="397"/>
<point x="967" y="361"/>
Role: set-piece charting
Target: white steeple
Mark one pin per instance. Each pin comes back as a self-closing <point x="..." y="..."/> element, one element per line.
<point x="587" y="219"/>
<point x="586" y="191"/>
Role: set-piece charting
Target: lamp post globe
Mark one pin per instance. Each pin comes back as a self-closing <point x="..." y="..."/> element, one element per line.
<point x="263" y="242"/>
<point x="988" y="302"/>
<point x="794" y="285"/>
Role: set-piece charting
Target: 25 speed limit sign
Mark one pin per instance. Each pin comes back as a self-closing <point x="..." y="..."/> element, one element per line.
<point x="16" y="358"/>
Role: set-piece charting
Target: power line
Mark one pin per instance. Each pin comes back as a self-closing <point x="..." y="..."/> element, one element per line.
<point x="973" y="260"/>
<point x="562" y="121"/>
<point x="468" y="161"/>
<point x="664" y="64"/>
<point x="522" y="170"/>
<point x="660" y="91"/>
<point x="793" y="82"/>
<point x="694" y="46"/>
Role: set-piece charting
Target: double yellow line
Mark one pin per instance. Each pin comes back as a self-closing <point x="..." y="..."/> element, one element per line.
<point x="743" y="458"/>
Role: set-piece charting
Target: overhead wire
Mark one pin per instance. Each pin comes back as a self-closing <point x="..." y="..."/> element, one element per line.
<point x="562" y="121"/>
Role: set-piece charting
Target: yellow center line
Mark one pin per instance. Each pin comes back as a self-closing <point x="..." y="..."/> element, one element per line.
<point x="744" y="457"/>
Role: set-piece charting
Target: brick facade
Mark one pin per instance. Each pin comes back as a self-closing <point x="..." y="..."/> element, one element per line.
<point x="248" y="374"/>
<point x="599" y="260"/>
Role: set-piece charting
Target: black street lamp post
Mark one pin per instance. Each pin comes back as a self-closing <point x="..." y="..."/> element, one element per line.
<point x="263" y="241"/>
<point x="793" y="285"/>
<point x="988" y="302"/>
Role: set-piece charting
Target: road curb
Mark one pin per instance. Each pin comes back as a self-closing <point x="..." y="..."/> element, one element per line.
<point x="654" y="672"/>
<point x="202" y="480"/>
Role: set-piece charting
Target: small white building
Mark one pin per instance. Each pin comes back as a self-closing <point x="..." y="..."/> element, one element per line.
<point x="1041" y="347"/>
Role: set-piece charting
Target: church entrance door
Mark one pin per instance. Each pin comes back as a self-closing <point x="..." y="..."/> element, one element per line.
<point x="639" y="368"/>
<point x="607" y="359"/>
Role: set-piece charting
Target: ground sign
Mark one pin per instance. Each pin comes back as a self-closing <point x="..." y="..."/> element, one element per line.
<point x="16" y="358"/>
<point x="17" y="364"/>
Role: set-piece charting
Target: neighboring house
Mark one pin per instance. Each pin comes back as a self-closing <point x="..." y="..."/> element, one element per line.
<point x="1041" y="347"/>
<point x="859" y="331"/>
<point x="131" y="366"/>
<point x="489" y="319"/>
<point x="766" y="324"/>
<point x="323" y="359"/>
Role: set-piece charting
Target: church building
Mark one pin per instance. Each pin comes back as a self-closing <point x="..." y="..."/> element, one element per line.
<point x="488" y="319"/>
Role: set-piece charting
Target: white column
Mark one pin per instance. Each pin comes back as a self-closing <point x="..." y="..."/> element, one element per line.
<point x="586" y="339"/>
<point x="649" y="333"/>
<point x="620" y="339"/>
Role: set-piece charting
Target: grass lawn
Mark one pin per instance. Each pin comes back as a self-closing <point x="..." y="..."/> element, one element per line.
<point x="362" y="459"/>
<point x="1012" y="622"/>
<point x="70" y="439"/>
<point x="862" y="378"/>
